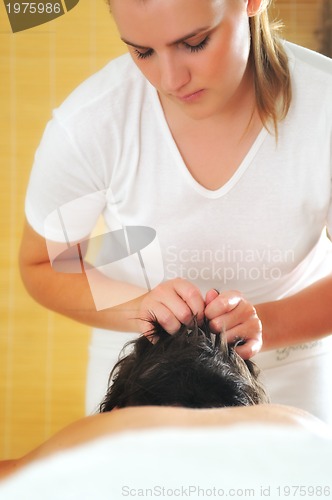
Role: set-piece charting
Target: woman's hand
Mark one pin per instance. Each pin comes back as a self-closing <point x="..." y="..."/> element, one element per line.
<point x="173" y="304"/>
<point x="231" y="312"/>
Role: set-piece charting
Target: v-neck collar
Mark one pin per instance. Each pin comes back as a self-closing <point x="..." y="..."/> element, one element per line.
<point x="174" y="150"/>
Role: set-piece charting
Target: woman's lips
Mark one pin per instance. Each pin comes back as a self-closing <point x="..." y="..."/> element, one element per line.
<point x="194" y="96"/>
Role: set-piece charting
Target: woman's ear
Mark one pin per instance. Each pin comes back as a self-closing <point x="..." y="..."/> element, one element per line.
<point x="253" y="7"/>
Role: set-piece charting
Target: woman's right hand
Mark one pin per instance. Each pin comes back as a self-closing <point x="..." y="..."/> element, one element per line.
<point x="172" y="303"/>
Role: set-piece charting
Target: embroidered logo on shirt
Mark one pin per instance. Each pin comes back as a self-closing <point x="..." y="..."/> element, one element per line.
<point x="286" y="352"/>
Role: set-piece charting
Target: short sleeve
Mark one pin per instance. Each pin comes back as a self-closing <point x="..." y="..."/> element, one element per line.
<point x="67" y="184"/>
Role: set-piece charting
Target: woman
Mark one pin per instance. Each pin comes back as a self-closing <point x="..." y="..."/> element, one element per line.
<point x="214" y="136"/>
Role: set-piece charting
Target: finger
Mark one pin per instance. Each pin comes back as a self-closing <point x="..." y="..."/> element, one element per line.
<point x="164" y="316"/>
<point x="222" y="304"/>
<point x="192" y="296"/>
<point x="249" y="349"/>
<point x="211" y="295"/>
<point x="239" y="315"/>
<point x="170" y="308"/>
<point x="251" y="335"/>
<point x="247" y="325"/>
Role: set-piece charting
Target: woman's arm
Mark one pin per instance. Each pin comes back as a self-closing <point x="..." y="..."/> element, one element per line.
<point x="172" y="303"/>
<point x="302" y="317"/>
<point x="69" y="293"/>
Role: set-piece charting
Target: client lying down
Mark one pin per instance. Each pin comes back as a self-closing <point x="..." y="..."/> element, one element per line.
<point x="186" y="380"/>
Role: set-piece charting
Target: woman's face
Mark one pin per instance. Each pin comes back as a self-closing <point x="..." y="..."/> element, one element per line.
<point x="194" y="52"/>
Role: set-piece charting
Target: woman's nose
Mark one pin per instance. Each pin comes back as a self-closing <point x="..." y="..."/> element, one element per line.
<point x="174" y="74"/>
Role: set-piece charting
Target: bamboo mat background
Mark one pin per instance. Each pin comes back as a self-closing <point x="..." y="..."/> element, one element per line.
<point x="43" y="356"/>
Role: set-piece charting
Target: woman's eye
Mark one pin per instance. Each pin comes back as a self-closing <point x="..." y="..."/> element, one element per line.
<point x="143" y="55"/>
<point x="200" y="46"/>
<point x="192" y="48"/>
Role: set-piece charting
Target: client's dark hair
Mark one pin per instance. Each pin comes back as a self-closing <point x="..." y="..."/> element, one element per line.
<point x="191" y="368"/>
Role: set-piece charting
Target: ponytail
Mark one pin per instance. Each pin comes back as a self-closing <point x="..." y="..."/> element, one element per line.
<point x="270" y="68"/>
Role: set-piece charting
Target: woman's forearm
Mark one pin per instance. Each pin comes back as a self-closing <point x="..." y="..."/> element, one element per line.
<point x="70" y="295"/>
<point x="106" y="304"/>
<point x="302" y="317"/>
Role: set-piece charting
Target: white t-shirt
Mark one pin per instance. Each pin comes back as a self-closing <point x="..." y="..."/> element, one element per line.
<point x="108" y="150"/>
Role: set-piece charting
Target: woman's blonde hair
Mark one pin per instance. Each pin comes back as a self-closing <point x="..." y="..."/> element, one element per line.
<point x="270" y="68"/>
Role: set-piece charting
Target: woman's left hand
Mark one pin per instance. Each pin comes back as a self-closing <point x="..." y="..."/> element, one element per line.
<point x="232" y="313"/>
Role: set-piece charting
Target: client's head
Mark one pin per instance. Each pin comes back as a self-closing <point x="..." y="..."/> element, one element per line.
<point x="191" y="368"/>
